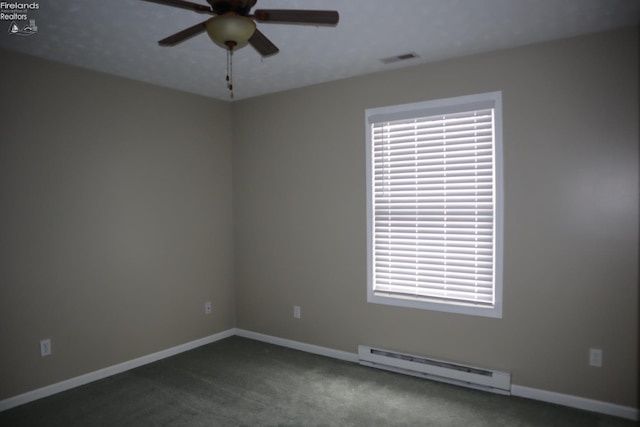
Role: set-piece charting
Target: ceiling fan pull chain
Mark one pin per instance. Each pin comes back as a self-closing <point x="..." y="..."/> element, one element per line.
<point x="231" y="73"/>
<point x="230" y="70"/>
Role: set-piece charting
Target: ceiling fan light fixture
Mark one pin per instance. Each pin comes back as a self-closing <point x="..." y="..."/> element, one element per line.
<point x="230" y="30"/>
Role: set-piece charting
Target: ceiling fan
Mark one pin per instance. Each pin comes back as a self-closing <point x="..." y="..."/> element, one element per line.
<point x="232" y="25"/>
<point x="232" y="18"/>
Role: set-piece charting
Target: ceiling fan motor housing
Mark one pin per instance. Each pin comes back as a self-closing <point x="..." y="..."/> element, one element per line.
<point x="241" y="7"/>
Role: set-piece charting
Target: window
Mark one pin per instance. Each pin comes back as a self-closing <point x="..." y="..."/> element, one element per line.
<point x="434" y="205"/>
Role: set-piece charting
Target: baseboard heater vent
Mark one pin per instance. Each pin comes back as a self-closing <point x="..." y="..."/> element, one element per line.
<point x="438" y="370"/>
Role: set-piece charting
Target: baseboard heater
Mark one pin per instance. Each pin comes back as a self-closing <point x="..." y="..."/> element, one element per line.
<point x="437" y="370"/>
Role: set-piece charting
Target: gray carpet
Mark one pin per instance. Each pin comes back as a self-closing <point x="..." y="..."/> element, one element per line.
<point x="241" y="382"/>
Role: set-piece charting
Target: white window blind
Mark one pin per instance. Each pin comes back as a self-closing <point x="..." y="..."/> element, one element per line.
<point x="432" y="219"/>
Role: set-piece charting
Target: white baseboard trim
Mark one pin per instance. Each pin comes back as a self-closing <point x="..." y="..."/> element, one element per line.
<point x="297" y="345"/>
<point x="598" y="406"/>
<point x="626" y="412"/>
<point x="49" y="390"/>
<point x="516" y="390"/>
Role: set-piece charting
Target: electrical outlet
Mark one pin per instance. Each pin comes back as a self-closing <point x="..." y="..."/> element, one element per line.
<point x="296" y="311"/>
<point x="595" y="357"/>
<point x="207" y="307"/>
<point x="45" y="347"/>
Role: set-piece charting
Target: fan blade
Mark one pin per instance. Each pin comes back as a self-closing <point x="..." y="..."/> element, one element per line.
<point x="293" y="16"/>
<point x="183" y="35"/>
<point x="200" y="8"/>
<point x="262" y="44"/>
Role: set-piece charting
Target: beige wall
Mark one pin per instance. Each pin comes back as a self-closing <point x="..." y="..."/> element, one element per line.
<point x="571" y="215"/>
<point x="116" y="220"/>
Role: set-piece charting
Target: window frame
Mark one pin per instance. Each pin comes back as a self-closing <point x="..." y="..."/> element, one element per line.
<point x="426" y="109"/>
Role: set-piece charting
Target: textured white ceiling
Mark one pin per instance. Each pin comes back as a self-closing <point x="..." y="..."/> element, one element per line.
<point x="120" y="37"/>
